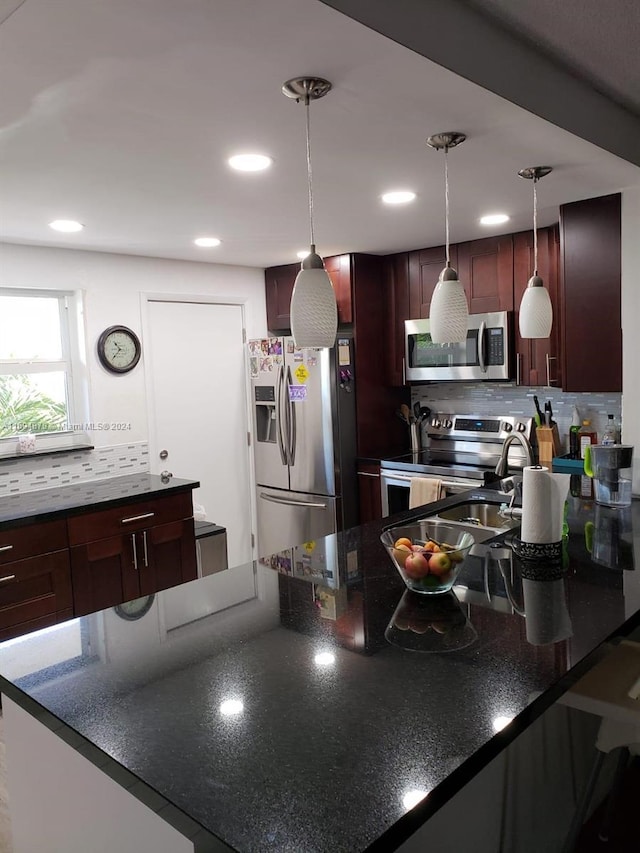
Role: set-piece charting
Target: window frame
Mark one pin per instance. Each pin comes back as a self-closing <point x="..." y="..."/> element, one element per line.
<point x="72" y="363"/>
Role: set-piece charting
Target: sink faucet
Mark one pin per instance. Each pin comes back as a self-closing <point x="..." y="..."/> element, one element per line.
<point x="502" y="467"/>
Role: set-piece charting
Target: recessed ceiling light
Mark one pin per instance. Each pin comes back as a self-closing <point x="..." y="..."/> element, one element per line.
<point x="398" y="197"/>
<point x="494" y="219"/>
<point x="207" y="242"/>
<point x="250" y="162"/>
<point x="66" y="225"/>
<point x="302" y="254"/>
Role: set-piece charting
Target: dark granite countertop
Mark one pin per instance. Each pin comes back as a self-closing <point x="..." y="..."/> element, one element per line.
<point x="46" y="504"/>
<point x="290" y="722"/>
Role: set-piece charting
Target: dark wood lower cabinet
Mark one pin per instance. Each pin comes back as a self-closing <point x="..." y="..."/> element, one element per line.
<point x="121" y="568"/>
<point x="168" y="556"/>
<point x="34" y="591"/>
<point x="369" y="489"/>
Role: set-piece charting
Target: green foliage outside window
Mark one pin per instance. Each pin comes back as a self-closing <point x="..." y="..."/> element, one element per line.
<point x="24" y="408"/>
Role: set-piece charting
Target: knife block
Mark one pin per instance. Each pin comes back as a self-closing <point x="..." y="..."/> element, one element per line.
<point x="548" y="444"/>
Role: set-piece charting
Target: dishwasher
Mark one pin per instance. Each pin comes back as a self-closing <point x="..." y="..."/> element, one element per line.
<point x="211" y="548"/>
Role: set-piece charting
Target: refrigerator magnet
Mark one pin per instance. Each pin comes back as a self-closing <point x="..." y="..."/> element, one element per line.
<point x="302" y="374"/>
<point x="297" y="393"/>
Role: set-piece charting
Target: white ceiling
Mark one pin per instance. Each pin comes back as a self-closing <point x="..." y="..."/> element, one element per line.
<point x="122" y="113"/>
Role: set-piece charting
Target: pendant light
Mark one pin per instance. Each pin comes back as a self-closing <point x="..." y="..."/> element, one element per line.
<point x="536" y="313"/>
<point x="314" y="312"/>
<point x="449" y="310"/>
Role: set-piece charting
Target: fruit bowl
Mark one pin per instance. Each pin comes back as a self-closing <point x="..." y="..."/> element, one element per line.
<point x="428" y="554"/>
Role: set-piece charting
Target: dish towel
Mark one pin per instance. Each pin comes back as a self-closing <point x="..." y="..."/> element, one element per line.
<point x="424" y="490"/>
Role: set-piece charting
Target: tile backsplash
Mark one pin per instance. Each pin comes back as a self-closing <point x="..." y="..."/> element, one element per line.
<point x="491" y="398"/>
<point x="45" y="472"/>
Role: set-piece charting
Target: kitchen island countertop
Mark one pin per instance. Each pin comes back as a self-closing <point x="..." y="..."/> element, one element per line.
<point x="299" y="719"/>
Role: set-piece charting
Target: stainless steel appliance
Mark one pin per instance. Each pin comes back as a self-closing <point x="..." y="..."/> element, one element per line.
<point x="459" y="450"/>
<point x="211" y="548"/>
<point x="485" y="355"/>
<point x="305" y="442"/>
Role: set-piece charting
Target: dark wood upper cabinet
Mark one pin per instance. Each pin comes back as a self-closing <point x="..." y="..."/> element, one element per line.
<point x="485" y="268"/>
<point x="339" y="270"/>
<point x="590" y="287"/>
<point x="397" y="300"/>
<point x="425" y="266"/>
<point x="279" y="283"/>
<point x="537" y="361"/>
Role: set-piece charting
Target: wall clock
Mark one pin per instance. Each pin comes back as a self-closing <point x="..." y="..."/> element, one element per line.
<point x="135" y="609"/>
<point x="119" y="349"/>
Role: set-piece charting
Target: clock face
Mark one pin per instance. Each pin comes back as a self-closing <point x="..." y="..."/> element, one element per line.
<point x="119" y="349"/>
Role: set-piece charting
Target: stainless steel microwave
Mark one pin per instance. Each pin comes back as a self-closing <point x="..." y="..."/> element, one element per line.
<point x="485" y="355"/>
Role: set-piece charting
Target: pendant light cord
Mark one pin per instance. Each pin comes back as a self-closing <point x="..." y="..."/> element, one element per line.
<point x="535" y="227"/>
<point x="446" y="203"/>
<point x="309" y="174"/>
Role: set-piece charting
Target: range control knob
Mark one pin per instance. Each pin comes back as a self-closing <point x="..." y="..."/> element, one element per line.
<point x="507" y="427"/>
<point x="446" y="423"/>
<point x="520" y="427"/>
<point x="435" y="423"/>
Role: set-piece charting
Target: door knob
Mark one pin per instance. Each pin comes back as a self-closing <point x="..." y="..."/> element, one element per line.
<point x="163" y="454"/>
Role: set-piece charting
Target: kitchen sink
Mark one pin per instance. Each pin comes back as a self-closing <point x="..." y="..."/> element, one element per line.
<point x="479" y="515"/>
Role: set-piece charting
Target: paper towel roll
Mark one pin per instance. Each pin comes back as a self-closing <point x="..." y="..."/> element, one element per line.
<point x="543" y="498"/>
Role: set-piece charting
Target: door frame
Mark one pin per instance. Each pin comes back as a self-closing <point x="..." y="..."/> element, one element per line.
<point x="209" y="299"/>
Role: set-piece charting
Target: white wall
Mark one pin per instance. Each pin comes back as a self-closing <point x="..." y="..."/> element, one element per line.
<point x="112" y="285"/>
<point x="630" y="316"/>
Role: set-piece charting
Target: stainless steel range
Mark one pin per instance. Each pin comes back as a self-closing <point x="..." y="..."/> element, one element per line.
<point x="459" y="450"/>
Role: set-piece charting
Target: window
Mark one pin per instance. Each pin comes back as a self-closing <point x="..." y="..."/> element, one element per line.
<point x="39" y="348"/>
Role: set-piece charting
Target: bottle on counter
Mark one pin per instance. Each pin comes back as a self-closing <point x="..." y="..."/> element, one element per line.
<point x="586" y="435"/>
<point x="574" y="429"/>
<point x="609" y="434"/>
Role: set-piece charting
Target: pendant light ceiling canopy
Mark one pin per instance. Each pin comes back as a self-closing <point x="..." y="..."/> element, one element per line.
<point x="449" y="310"/>
<point x="314" y="312"/>
<point x="536" y="312"/>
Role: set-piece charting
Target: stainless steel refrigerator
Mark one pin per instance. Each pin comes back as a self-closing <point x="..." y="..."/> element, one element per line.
<point x="303" y="404"/>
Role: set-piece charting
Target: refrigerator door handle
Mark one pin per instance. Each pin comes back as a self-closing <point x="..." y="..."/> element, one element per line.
<point x="288" y="502"/>
<point x="292" y="422"/>
<point x="281" y="446"/>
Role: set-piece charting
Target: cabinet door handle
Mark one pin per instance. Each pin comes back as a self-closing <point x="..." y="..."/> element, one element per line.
<point x="137" y="517"/>
<point x="368" y="474"/>
<point x="144" y="546"/>
<point x="550" y="358"/>
<point x="518" y="360"/>
<point x="7" y="578"/>
<point x="6" y="547"/>
<point x="404" y="371"/>
<point x="135" y="553"/>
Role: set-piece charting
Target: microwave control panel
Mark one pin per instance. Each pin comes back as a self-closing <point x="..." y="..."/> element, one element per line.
<point x="495" y="347"/>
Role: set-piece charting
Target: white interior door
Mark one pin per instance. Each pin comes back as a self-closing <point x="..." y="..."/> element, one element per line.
<point x="198" y="409"/>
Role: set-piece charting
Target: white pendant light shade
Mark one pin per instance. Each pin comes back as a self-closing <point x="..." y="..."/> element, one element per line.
<point x="314" y="314"/>
<point x="449" y="312"/>
<point x="313" y="310"/>
<point x="536" y="313"/>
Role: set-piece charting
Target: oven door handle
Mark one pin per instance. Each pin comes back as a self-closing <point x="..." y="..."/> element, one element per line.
<point x="449" y="485"/>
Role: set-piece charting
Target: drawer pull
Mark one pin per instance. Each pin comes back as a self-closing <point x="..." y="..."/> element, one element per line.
<point x="144" y="545"/>
<point x="135" y="553"/>
<point x="6" y="547"/>
<point x="137" y="517"/>
<point x="7" y="578"/>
